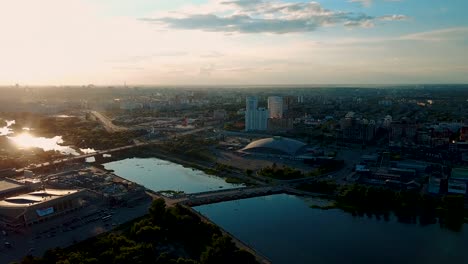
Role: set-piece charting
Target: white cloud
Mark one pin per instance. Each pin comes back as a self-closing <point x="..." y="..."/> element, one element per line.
<point x="368" y="3"/>
<point x="447" y="34"/>
<point x="259" y="16"/>
<point x="393" y="18"/>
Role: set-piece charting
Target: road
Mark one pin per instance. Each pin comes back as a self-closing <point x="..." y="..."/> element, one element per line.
<point x="107" y="123"/>
<point x="38" y="238"/>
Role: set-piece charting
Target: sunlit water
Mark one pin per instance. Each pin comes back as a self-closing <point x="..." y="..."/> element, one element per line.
<point x="26" y="140"/>
<point x="159" y="175"/>
<point x="287" y="230"/>
<point x="88" y="151"/>
<point x="6" y="130"/>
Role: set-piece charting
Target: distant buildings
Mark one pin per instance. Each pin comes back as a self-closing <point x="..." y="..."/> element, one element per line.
<point x="385" y="102"/>
<point x="356" y="129"/>
<point x="272" y="119"/>
<point x="403" y="130"/>
<point x="282" y="124"/>
<point x="458" y="180"/>
<point x="219" y="114"/>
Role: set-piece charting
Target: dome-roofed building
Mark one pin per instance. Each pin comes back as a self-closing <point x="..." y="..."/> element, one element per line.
<point x="276" y="146"/>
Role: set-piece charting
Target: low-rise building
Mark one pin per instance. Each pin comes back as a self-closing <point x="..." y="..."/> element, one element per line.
<point x="38" y="206"/>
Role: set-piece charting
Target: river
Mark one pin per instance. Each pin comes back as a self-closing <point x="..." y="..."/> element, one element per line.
<point x="286" y="230"/>
<point x="160" y="175"/>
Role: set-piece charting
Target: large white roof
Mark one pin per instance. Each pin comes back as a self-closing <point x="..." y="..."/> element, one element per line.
<point x="277" y="144"/>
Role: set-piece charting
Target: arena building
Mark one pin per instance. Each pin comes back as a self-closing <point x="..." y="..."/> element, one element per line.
<point x="23" y="207"/>
<point x="277" y="147"/>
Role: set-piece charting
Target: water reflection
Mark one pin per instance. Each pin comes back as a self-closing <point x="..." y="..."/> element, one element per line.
<point x="62" y="116"/>
<point x="159" y="175"/>
<point x="287" y="230"/>
<point x="27" y="140"/>
<point x="88" y="150"/>
<point x="6" y="130"/>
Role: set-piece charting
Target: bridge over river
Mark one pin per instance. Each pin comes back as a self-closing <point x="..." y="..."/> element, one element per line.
<point x="202" y="198"/>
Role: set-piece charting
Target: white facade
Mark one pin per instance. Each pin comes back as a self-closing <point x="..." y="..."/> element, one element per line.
<point x="255" y="118"/>
<point x="275" y="106"/>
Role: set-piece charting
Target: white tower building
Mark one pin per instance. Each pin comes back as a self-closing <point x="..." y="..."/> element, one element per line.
<point x="275" y="106"/>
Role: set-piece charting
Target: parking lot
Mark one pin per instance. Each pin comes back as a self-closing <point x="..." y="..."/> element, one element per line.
<point x="67" y="230"/>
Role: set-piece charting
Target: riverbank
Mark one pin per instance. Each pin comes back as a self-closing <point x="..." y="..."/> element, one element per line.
<point x="163" y="235"/>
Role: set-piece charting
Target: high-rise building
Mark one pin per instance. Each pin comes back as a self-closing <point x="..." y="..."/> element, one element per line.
<point x="275" y="106"/>
<point x="255" y="118"/>
<point x="251" y="103"/>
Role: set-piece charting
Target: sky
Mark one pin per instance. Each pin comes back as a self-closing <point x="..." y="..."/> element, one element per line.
<point x="233" y="42"/>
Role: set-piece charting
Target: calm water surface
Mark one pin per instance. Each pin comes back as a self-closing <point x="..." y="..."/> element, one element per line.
<point x="161" y="175"/>
<point x="286" y="230"/>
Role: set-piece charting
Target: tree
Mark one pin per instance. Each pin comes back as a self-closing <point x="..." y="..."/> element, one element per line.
<point x="157" y="211"/>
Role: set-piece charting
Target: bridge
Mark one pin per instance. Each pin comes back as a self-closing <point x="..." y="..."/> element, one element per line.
<point x="217" y="196"/>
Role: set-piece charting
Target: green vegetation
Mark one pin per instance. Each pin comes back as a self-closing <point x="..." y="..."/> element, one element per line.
<point x="326" y="207"/>
<point x="233" y="180"/>
<point x="189" y="147"/>
<point x="286" y="173"/>
<point x="325" y="187"/>
<point x="85" y="133"/>
<point x="165" y="235"/>
<point x="282" y="173"/>
<point x="406" y="205"/>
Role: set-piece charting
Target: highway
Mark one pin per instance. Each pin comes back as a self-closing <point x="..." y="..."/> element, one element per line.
<point x="107" y="123"/>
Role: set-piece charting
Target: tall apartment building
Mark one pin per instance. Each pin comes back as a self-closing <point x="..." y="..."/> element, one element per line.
<point x="255" y="118"/>
<point x="275" y="106"/>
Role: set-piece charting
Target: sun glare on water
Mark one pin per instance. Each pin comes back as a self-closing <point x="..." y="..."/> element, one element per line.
<point x="27" y="140"/>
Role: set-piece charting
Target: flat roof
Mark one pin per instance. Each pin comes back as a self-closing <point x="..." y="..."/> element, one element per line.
<point x="7" y="185"/>
<point x="33" y="198"/>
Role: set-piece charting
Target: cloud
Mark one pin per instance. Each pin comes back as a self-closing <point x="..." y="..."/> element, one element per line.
<point x="365" y="3"/>
<point x="257" y="16"/>
<point x="368" y="3"/>
<point x="393" y="18"/>
<point x="243" y="3"/>
<point x="457" y="33"/>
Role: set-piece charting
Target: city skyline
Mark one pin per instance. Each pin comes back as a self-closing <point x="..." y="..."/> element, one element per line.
<point x="233" y="42"/>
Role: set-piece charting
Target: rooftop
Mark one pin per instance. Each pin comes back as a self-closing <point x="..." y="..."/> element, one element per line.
<point x="36" y="197"/>
<point x="6" y="185"/>
<point x="275" y="145"/>
<point x="460" y="173"/>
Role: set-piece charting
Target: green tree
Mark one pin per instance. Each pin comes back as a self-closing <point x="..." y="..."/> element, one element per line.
<point x="157" y="211"/>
